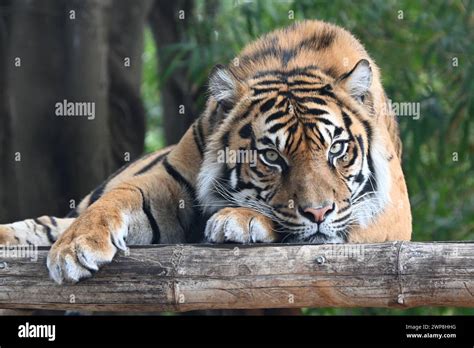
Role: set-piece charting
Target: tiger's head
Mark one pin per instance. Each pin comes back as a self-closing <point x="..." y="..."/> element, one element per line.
<point x="296" y="144"/>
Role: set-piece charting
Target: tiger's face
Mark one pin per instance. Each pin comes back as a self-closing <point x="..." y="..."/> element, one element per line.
<point x="299" y="148"/>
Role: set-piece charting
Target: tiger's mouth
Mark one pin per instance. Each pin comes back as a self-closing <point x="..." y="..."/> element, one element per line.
<point x="312" y="235"/>
<point x="313" y="238"/>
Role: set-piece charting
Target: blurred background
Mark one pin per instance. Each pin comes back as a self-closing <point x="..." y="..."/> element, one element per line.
<point x="145" y="63"/>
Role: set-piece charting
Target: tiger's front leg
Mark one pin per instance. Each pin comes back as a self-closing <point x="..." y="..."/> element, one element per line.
<point x="240" y="225"/>
<point x="134" y="212"/>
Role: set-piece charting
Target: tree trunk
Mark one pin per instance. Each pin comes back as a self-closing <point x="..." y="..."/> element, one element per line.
<point x="8" y="192"/>
<point x="75" y="51"/>
<point x="127" y="121"/>
<point x="177" y="95"/>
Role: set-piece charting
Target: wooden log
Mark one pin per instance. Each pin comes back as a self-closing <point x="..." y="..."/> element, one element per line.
<point x="198" y="277"/>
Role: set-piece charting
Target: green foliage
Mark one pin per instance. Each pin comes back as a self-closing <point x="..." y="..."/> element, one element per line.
<point x="416" y="44"/>
<point x="154" y="138"/>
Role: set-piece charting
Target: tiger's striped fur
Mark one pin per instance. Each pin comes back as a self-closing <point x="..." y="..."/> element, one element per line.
<point x="293" y="98"/>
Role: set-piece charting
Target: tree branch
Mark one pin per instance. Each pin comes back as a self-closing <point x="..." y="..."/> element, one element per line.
<point x="198" y="277"/>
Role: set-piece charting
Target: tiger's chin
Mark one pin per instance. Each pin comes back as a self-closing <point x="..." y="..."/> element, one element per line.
<point x="315" y="236"/>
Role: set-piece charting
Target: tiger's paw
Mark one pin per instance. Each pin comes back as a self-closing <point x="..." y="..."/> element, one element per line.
<point x="82" y="249"/>
<point x="240" y="225"/>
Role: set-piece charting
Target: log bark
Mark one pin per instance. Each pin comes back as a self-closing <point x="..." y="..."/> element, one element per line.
<point x="198" y="277"/>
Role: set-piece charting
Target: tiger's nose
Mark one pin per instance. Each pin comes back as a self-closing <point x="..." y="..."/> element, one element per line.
<point x="318" y="214"/>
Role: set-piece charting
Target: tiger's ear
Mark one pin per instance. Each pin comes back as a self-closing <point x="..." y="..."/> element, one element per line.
<point x="357" y="81"/>
<point x="223" y="86"/>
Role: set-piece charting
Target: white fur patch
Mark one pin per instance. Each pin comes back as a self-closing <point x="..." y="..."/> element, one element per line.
<point x="371" y="207"/>
<point x="119" y="236"/>
<point x="233" y="178"/>
<point x="360" y="79"/>
<point x="222" y="228"/>
<point x="30" y="231"/>
<point x="222" y="85"/>
<point x="210" y="170"/>
<point x="259" y="233"/>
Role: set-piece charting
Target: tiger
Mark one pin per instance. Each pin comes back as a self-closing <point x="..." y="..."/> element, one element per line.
<point x="306" y="103"/>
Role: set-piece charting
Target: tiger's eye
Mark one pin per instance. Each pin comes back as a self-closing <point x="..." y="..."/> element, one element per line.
<point x="336" y="148"/>
<point x="271" y="155"/>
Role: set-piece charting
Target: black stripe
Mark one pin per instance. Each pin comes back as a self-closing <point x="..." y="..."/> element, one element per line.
<point x="266" y="141"/>
<point x="361" y="145"/>
<point x="270" y="195"/>
<point x="255" y="170"/>
<point x="289" y="141"/>
<point x="286" y="214"/>
<point x="151" y="164"/>
<point x="324" y="120"/>
<point x="214" y="120"/>
<point x="342" y="218"/>
<point x="319" y="136"/>
<point x="291" y="224"/>
<point x="327" y="91"/>
<point x="72" y="213"/>
<point x="197" y="140"/>
<point x="275" y="116"/>
<point x="179" y="178"/>
<point x="268" y="51"/>
<point x="98" y="192"/>
<point x="331" y="72"/>
<point x="368" y="129"/>
<point x="269" y="82"/>
<point x="284" y="74"/>
<point x="299" y="82"/>
<point x="225" y="139"/>
<point x="328" y="133"/>
<point x="342" y="210"/>
<point x="293" y="128"/>
<point x="369" y="186"/>
<point x="279" y="126"/>
<point x="246" y="131"/>
<point x="307" y="89"/>
<point x="257" y="91"/>
<point x="337" y="131"/>
<point x="297" y="145"/>
<point x="53" y="221"/>
<point x="267" y="105"/>
<point x="319" y="40"/>
<point x="48" y="230"/>
<point x="316" y="112"/>
<point x="287" y="55"/>
<point x="151" y="219"/>
<point x="347" y="120"/>
<point x="199" y="129"/>
<point x="315" y="100"/>
<point x="283" y="101"/>
<point x="353" y="159"/>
